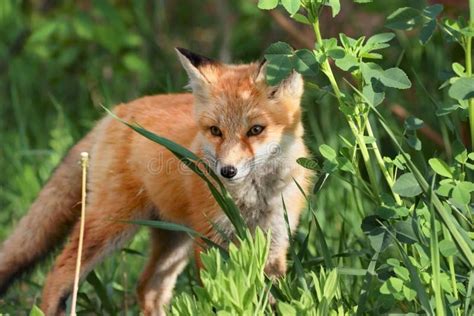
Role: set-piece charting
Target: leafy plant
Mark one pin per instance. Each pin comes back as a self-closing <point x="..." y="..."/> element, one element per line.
<point x="413" y="213"/>
<point x="230" y="286"/>
<point x="388" y="226"/>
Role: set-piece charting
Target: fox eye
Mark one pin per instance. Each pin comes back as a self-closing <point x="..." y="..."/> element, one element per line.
<point x="255" y="130"/>
<point x="216" y="131"/>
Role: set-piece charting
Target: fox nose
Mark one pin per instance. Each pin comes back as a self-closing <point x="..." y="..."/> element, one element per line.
<point x="228" y="172"/>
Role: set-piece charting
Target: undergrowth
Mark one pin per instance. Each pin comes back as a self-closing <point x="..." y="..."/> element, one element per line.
<point x="388" y="226"/>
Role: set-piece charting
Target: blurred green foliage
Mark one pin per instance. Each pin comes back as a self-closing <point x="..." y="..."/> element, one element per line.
<point x="61" y="60"/>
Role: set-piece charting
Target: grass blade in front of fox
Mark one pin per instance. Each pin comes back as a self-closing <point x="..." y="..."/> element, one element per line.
<point x="296" y="260"/>
<point x="177" y="228"/>
<point x="319" y="232"/>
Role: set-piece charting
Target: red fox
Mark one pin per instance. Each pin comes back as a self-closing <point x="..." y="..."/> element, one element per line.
<point x="249" y="132"/>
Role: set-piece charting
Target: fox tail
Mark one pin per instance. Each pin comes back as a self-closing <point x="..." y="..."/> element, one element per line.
<point x="48" y="220"/>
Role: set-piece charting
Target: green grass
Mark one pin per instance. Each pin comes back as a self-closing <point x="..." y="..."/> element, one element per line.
<point x="354" y="251"/>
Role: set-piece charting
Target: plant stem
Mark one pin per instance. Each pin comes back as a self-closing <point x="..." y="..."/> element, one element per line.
<point x="359" y="133"/>
<point x="381" y="164"/>
<point x="84" y="163"/>
<point x="365" y="156"/>
<point x="468" y="50"/>
<point x="435" y="265"/>
<point x="326" y="68"/>
<point x="452" y="271"/>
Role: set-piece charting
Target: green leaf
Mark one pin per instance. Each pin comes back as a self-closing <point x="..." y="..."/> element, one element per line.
<point x="370" y="70"/>
<point x="403" y="19"/>
<point x="430" y="13"/>
<point x="36" y="311"/>
<point x="135" y="63"/>
<point x="335" y="7"/>
<point x="346" y="41"/>
<point x="414" y="142"/>
<point x="402" y="273"/>
<point x="413" y="123"/>
<point x="407" y="185"/>
<point x="409" y="293"/>
<point x="369" y="139"/>
<point x="459" y="152"/>
<point x="405" y="231"/>
<point x="101" y="291"/>
<point x="44" y="32"/>
<point x="447" y="248"/>
<point x="374" y="97"/>
<point x="279" y="48"/>
<point x="308" y="164"/>
<point x="330" y="166"/>
<point x="440" y="167"/>
<point x="83" y="27"/>
<point x="427" y="31"/>
<point x="305" y="62"/>
<point x="380" y="38"/>
<point x="395" y="284"/>
<point x="345" y="165"/>
<point x="458" y="69"/>
<point x="330" y="286"/>
<point x="286" y="309"/>
<point x="279" y="62"/>
<point x="292" y="6"/>
<point x="347" y="63"/>
<point x="433" y="11"/>
<point x="445" y="189"/>
<point x="327" y="152"/>
<point x="461" y="194"/>
<point x="336" y="53"/>
<point x="378" y="235"/>
<point x="462" y="89"/>
<point x="301" y="18"/>
<point x="395" y="78"/>
<point x="267" y="4"/>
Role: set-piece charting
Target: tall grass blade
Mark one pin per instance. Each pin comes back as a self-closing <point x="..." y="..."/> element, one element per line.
<point x="297" y="262"/>
<point x="176" y="228"/>
<point x="101" y="291"/>
<point x="366" y="285"/>
<point x="435" y="265"/>
<point x="416" y="282"/>
<point x="469" y="294"/>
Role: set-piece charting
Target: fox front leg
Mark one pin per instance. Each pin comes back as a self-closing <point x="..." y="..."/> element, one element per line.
<point x="294" y="203"/>
<point x="276" y="261"/>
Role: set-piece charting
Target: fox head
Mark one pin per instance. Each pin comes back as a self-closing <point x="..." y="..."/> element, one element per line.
<point x="243" y="122"/>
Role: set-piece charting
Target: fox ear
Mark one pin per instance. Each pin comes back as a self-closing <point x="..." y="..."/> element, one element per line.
<point x="195" y="66"/>
<point x="291" y="86"/>
<point x="261" y="73"/>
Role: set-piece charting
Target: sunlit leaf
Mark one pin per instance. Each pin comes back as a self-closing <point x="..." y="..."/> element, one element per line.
<point x="403" y="19"/>
<point x="292" y="6"/>
<point x="267" y="4"/>
<point x="462" y="89"/>
<point x="407" y="185"/>
<point x="440" y="167"/>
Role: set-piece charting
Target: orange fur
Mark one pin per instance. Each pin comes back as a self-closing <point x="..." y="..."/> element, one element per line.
<point x="130" y="177"/>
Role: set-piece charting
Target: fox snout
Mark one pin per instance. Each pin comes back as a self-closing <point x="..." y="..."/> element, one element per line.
<point x="228" y="171"/>
<point x="231" y="170"/>
<point x="232" y="161"/>
<point x="237" y="164"/>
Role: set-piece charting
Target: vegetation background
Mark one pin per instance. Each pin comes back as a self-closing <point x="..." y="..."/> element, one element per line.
<point x="61" y="60"/>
